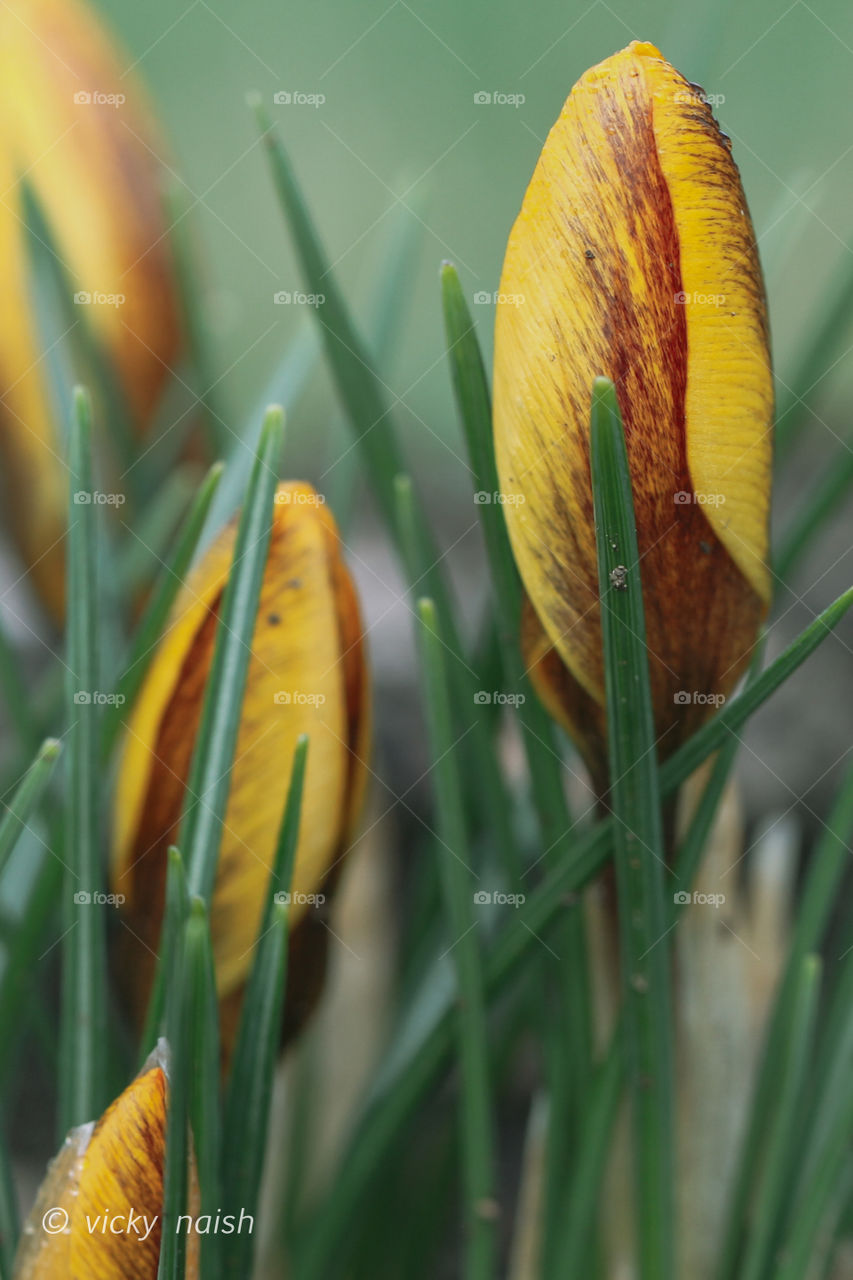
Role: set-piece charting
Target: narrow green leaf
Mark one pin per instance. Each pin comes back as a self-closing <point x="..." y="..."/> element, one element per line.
<point x="570" y="1058"/>
<point x="9" y="1222"/>
<point x="360" y="388"/>
<point x="18" y="700"/>
<point x="250" y="1085"/>
<point x="210" y="774"/>
<point x="826" y="1128"/>
<point x="817" y="898"/>
<point x="174" y="915"/>
<point x="639" y="853"/>
<point x="27" y="795"/>
<point x="459" y="883"/>
<point x="580" y="1196"/>
<point x="202" y="1014"/>
<point x="179" y="1018"/>
<point x="69" y="338"/>
<point x="400" y="1092"/>
<point x="83" y="1026"/>
<point x="780" y="1152"/>
<point x="153" y="620"/>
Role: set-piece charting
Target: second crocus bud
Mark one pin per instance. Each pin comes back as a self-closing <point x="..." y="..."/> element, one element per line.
<point x="634" y="258"/>
<point x="307" y="675"/>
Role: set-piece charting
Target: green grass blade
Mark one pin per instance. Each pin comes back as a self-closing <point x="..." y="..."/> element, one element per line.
<point x="475" y="410"/>
<point x="781" y="1153"/>
<point x="458" y="886"/>
<point x="9" y="1222"/>
<point x="638" y="843"/>
<point x="17" y="698"/>
<point x="580" y="1196"/>
<point x="817" y="898"/>
<point x="179" y="1017"/>
<point x="27" y="795"/>
<point x="202" y="1013"/>
<point x="156" y="612"/>
<point x="571" y="1034"/>
<point x="83" y="1025"/>
<point x="359" y="385"/>
<point x="207" y="787"/>
<point x="250" y="1085"/>
<point x="383" y="1122"/>
<point x="68" y="336"/>
<point x="183" y="240"/>
<point x="174" y="916"/>
<point x="826" y="1128"/>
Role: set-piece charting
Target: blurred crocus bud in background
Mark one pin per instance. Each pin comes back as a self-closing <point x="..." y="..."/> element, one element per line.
<point x="307" y="675"/>
<point x="77" y="129"/>
<point x="634" y="258"/>
<point x="108" y="1172"/>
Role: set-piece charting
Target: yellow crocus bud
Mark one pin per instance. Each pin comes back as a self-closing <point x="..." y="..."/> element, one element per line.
<point x="77" y="128"/>
<point x="634" y="258"/>
<point x="307" y="675"/>
<point x="99" y="1210"/>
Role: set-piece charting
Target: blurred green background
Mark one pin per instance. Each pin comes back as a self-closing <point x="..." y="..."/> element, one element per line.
<point x="399" y="137"/>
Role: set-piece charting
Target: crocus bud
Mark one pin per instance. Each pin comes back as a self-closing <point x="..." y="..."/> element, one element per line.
<point x="634" y="258"/>
<point x="77" y="128"/>
<point x="99" y="1210"/>
<point x="307" y="675"/>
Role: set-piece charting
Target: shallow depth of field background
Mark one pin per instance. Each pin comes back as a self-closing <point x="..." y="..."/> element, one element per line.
<point x="400" y="120"/>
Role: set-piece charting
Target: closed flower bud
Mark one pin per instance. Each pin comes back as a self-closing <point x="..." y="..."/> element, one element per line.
<point x="78" y="129"/>
<point x="634" y="258"/>
<point x="307" y="675"/>
<point x="99" y="1210"/>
